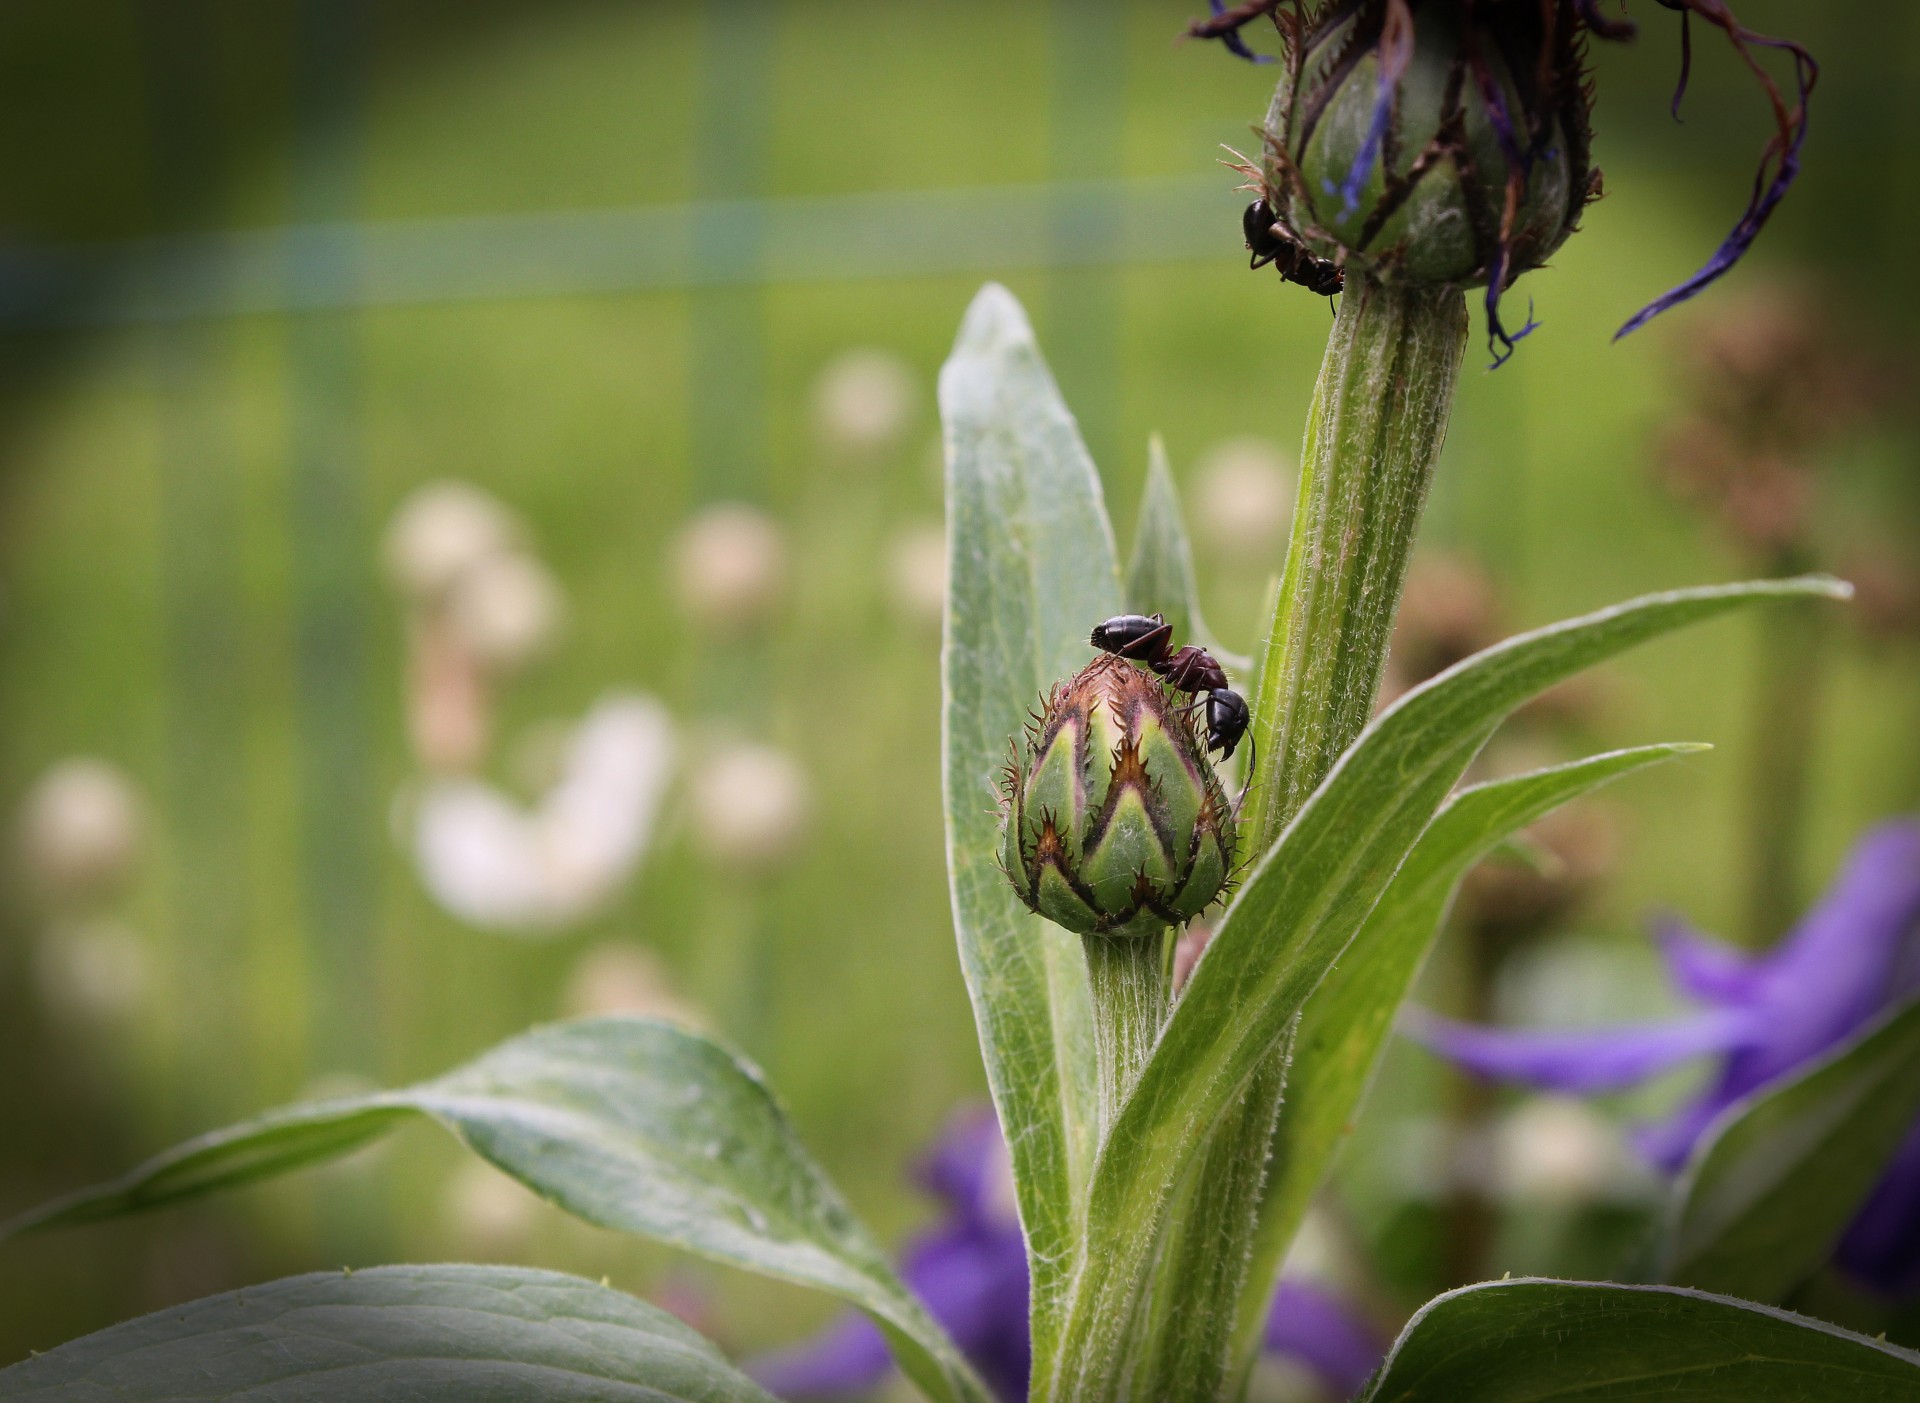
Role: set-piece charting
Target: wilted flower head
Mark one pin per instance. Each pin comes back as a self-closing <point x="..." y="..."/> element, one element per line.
<point x="1774" y="387"/>
<point x="1446" y="142"/>
<point x="80" y="830"/>
<point x="1506" y="900"/>
<point x="1449" y="612"/>
<point x="505" y="611"/>
<point x="1853" y="958"/>
<point x="917" y="572"/>
<point x="750" y="804"/>
<point x="442" y="530"/>
<point x="1115" y="823"/>
<point x="1244" y="490"/>
<point x="970" y="1269"/>
<point x="865" y="400"/>
<point x="626" y="977"/>
<point x="730" y="566"/>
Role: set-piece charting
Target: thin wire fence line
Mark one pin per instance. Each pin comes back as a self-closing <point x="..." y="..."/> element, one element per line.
<point x="646" y="248"/>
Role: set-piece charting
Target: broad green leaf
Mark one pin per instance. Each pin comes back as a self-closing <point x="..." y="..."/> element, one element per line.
<point x="1304" y="902"/>
<point x="1160" y="570"/>
<point x="1775" y="1181"/>
<point x="1345" y="1025"/>
<point x="393" y="1335"/>
<point x="1531" y="1341"/>
<point x="1033" y="570"/>
<point x="629" y="1123"/>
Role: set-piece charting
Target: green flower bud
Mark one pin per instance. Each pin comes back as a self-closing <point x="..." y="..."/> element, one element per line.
<point x="1115" y="823"/>
<point x="1432" y="143"/>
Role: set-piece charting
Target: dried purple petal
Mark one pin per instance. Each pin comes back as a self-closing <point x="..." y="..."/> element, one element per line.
<point x="1226" y="25"/>
<point x="1779" y="160"/>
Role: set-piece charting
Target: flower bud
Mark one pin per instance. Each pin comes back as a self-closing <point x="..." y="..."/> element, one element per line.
<point x="1432" y="144"/>
<point x="1115" y="823"/>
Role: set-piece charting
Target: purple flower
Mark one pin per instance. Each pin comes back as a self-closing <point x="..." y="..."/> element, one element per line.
<point x="1854" y="956"/>
<point x="971" y="1272"/>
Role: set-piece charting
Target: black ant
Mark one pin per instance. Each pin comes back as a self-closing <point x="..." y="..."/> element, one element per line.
<point x="1192" y="669"/>
<point x="1271" y="242"/>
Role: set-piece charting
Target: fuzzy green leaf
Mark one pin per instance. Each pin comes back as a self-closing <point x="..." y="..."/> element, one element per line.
<point x="1533" y="1341"/>
<point x="1345" y="1025"/>
<point x="1775" y="1181"/>
<point x="628" y="1123"/>
<point x="1033" y="570"/>
<point x="1296" y="914"/>
<point x="393" y="1335"/>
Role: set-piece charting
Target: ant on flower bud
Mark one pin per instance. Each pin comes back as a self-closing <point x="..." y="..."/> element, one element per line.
<point x="1270" y="242"/>
<point x="1146" y="638"/>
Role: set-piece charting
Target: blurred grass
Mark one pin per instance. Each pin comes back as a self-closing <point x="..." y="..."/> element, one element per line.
<point x="148" y="565"/>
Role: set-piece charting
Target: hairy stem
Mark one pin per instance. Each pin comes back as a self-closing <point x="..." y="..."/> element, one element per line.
<point x="1374" y="434"/>
<point x="1129" y="978"/>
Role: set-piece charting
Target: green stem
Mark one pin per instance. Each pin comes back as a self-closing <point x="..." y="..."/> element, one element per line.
<point x="1374" y="434"/>
<point x="1786" y="720"/>
<point x="1378" y="419"/>
<point x="1130" y="991"/>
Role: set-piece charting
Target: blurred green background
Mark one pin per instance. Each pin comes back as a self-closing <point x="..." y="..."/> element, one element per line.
<point x="267" y="268"/>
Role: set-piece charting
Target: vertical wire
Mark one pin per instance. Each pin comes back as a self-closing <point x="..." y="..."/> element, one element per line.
<point x="727" y="412"/>
<point x="330" y="547"/>
<point x="1087" y="141"/>
<point x="204" y="702"/>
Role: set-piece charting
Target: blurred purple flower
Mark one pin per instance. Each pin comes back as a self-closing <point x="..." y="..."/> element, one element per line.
<point x="971" y="1272"/>
<point x="1853" y="957"/>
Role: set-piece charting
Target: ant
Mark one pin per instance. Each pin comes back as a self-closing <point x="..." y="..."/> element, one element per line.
<point x="1192" y="669"/>
<point x="1271" y="242"/>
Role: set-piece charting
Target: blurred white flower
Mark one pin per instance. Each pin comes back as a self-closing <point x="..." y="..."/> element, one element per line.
<point x="729" y="566"/>
<point x="621" y="976"/>
<point x="865" y="400"/>
<point x="490" y="1213"/>
<point x="1280" y="1378"/>
<point x="505" y="610"/>
<point x="501" y="866"/>
<point x="80" y="830"/>
<point x="749" y="805"/>
<point x="1244" y="499"/>
<point x="1318" y="1253"/>
<point x="96" y="971"/>
<point x="1578" y="981"/>
<point x="440" y="532"/>
<point x="917" y="572"/>
<point x="1559" y="1150"/>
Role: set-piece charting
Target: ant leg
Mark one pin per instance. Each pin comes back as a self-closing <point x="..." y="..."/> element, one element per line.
<point x="1246" y="786"/>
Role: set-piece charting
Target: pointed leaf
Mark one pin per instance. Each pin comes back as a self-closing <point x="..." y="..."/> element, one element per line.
<point x="629" y="1123"/>
<point x="1304" y="902"/>
<point x="1160" y="570"/>
<point x="1160" y="576"/>
<point x="1033" y="570"/>
<point x="1344" y="1027"/>
<point x="393" y="1335"/>
<point x="1535" y="1341"/>
<point x="1775" y="1181"/>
